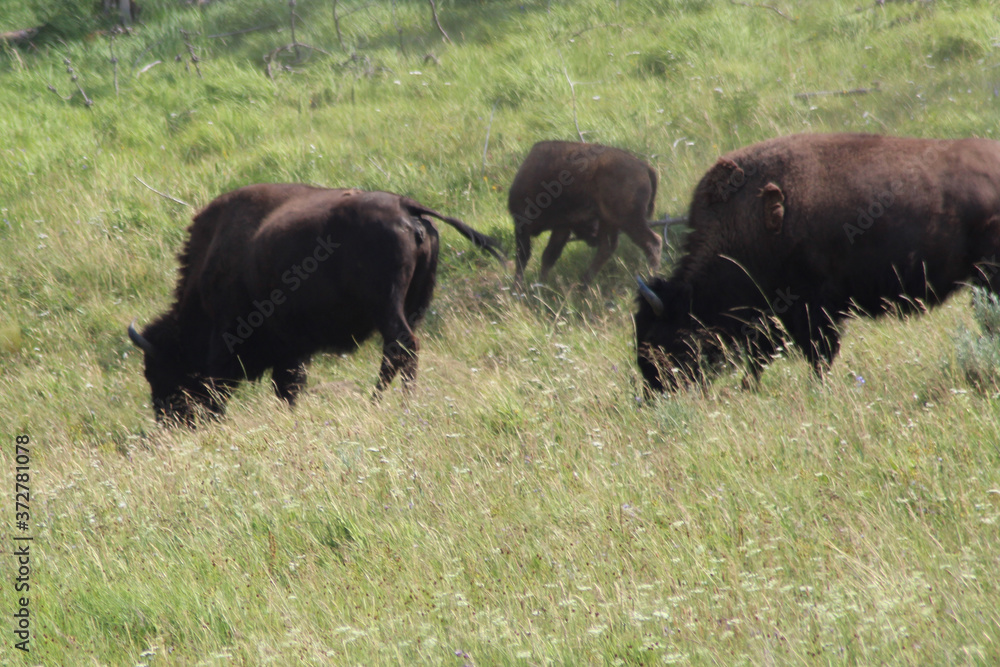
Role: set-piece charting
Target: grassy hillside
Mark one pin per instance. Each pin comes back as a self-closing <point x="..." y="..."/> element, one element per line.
<point x="521" y="507"/>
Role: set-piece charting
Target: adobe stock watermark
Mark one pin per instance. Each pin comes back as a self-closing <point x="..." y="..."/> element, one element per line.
<point x="293" y="278"/>
<point x="784" y="299"/>
<point x="875" y="210"/>
<point x="552" y="190"/>
<point x="885" y="199"/>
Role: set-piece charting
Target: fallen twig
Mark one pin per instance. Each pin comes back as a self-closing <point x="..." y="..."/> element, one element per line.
<point x="114" y="60"/>
<point x="19" y="36"/>
<point x="852" y="91"/>
<point x="148" y="67"/>
<point x="162" y="194"/>
<point x="757" y="5"/>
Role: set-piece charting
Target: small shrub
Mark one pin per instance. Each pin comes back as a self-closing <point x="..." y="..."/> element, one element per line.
<point x="979" y="357"/>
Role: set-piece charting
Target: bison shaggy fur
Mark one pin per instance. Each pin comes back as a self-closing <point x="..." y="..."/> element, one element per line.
<point x="273" y="273"/>
<point x="793" y="234"/>
<point x="587" y="191"/>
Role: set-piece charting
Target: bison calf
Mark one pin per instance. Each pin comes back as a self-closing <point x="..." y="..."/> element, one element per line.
<point x="273" y="273"/>
<point x="589" y="191"/>
<point x="791" y="234"/>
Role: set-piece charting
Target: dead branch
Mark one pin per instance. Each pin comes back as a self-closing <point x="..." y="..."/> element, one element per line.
<point x="114" y="60"/>
<point x="148" y="67"/>
<point x="852" y="91"/>
<point x="757" y="5"/>
<point x="291" y="18"/>
<point x="194" y="56"/>
<point x="76" y="81"/>
<point x="399" y="29"/>
<point x="295" y="46"/>
<point x="437" y="22"/>
<point x="162" y="194"/>
<point x="19" y="37"/>
<point x="337" y="18"/>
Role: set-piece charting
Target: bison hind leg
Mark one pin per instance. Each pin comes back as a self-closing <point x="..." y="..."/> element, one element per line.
<point x="399" y="355"/>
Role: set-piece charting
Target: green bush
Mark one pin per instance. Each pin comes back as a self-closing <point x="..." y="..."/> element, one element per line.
<point x="979" y="357"/>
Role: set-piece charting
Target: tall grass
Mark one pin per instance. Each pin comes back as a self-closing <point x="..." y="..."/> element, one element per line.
<point x="521" y="506"/>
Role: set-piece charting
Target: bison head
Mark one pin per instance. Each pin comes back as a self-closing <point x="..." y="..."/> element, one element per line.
<point x="177" y="394"/>
<point x="667" y="354"/>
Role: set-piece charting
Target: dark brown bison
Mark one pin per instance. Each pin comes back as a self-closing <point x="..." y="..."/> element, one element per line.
<point x="792" y="234"/>
<point x="589" y="191"/>
<point x="273" y="273"/>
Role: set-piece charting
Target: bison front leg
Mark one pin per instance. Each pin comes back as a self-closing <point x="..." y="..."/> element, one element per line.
<point x="289" y="379"/>
<point x="557" y="241"/>
<point x="650" y="242"/>
<point x="607" y="241"/>
<point x="813" y="330"/>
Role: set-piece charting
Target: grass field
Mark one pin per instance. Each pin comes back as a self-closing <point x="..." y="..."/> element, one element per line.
<point x="522" y="506"/>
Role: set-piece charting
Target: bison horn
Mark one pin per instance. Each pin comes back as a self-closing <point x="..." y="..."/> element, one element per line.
<point x="139" y="340"/>
<point x="651" y="297"/>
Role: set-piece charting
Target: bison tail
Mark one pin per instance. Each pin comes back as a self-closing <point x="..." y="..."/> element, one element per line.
<point x="486" y="243"/>
<point x="653" y="180"/>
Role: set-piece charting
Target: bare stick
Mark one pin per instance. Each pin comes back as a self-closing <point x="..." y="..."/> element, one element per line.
<point x="194" y="56"/>
<point x="852" y="91"/>
<point x="434" y="12"/>
<point x="757" y="5"/>
<point x="669" y="221"/>
<point x="114" y="60"/>
<point x="482" y="171"/>
<point x="291" y="11"/>
<point x="164" y="195"/>
<point x="572" y="92"/>
<point x="399" y="29"/>
<point x="384" y="173"/>
<point x="336" y="25"/>
<point x="76" y="81"/>
<point x="148" y="67"/>
<point x="270" y="57"/>
<point x="19" y="37"/>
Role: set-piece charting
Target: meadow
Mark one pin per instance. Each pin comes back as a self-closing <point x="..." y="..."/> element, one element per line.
<point x="524" y="505"/>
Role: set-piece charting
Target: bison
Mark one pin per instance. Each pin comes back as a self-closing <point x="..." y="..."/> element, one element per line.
<point x="272" y="273"/>
<point x="589" y="191"/>
<point x="793" y="234"/>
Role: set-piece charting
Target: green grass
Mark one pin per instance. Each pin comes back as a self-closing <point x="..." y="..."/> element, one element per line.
<point x="520" y="507"/>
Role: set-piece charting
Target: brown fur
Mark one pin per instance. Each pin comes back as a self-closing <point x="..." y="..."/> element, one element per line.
<point x="273" y="273"/>
<point x="819" y="225"/>
<point x="589" y="191"/>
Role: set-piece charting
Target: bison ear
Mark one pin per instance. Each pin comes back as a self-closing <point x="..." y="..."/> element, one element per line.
<point x="774" y="209"/>
<point x="722" y="180"/>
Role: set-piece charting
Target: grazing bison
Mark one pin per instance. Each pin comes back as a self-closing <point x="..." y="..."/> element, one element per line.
<point x="590" y="191"/>
<point x="273" y="273"/>
<point x="802" y="230"/>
